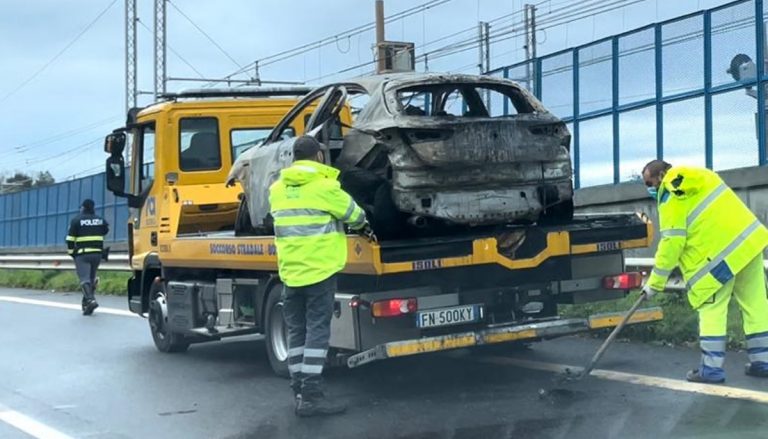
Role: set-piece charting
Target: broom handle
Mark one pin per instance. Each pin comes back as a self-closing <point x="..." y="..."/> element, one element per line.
<point x="612" y="336"/>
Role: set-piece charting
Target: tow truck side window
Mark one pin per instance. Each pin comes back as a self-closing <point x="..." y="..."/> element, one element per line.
<point x="144" y="175"/>
<point x="199" y="148"/>
<point x="243" y="139"/>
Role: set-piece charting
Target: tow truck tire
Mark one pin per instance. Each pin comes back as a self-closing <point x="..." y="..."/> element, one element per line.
<point x="165" y="340"/>
<point x="275" y="332"/>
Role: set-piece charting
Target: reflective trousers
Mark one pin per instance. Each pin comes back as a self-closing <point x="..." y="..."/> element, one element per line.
<point x="307" y="312"/>
<point x="748" y="287"/>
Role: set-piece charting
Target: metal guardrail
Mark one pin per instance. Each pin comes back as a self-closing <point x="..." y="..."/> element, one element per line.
<point x="116" y="262"/>
<point x="119" y="262"/>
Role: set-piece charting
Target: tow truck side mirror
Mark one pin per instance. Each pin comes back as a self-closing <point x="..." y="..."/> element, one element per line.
<point x="114" y="145"/>
<point x="115" y="175"/>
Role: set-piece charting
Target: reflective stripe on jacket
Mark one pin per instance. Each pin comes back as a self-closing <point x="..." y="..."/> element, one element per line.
<point x="86" y="234"/>
<point x="706" y="230"/>
<point x="309" y="210"/>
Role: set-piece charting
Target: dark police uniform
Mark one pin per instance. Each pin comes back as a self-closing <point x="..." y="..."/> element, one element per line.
<point x="85" y="243"/>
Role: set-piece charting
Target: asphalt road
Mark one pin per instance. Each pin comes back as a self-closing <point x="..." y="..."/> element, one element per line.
<point x="63" y="375"/>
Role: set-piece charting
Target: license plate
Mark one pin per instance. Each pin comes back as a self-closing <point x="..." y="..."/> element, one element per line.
<point x="449" y="316"/>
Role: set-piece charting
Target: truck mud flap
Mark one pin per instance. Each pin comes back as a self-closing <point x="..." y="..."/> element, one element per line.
<point x="532" y="331"/>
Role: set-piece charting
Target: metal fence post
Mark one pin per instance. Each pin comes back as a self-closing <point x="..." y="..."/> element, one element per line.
<point x="659" y="95"/>
<point x="760" y="63"/>
<point x="505" y="74"/>
<point x="576" y="161"/>
<point x="615" y="107"/>
<point x="537" y="77"/>
<point x="708" y="152"/>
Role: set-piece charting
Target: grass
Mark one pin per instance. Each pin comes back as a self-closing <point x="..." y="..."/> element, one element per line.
<point x="111" y="283"/>
<point x="679" y="326"/>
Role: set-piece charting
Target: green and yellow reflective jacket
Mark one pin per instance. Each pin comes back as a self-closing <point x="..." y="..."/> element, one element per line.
<point x="706" y="230"/>
<point x="309" y="210"/>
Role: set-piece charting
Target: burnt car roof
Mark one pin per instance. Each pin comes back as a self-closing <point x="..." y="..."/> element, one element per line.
<point x="400" y="80"/>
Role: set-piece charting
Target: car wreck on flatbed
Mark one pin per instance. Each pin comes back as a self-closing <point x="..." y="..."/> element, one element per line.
<point x="425" y="154"/>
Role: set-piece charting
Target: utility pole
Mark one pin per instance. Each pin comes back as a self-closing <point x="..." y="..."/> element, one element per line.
<point x="381" y="53"/>
<point x="256" y="73"/>
<point x="160" y="48"/>
<point x="530" y="41"/>
<point x="484" y="55"/>
<point x="480" y="47"/>
<point x="131" y="91"/>
<point x="487" y="45"/>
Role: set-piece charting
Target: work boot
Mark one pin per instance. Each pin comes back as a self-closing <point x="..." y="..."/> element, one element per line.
<point x="759" y="369"/>
<point x="695" y="376"/>
<point x="316" y="404"/>
<point x="87" y="299"/>
<point x="89" y="307"/>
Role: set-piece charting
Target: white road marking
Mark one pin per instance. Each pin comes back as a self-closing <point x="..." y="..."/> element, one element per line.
<point x="99" y="310"/>
<point x="643" y="380"/>
<point x="29" y="425"/>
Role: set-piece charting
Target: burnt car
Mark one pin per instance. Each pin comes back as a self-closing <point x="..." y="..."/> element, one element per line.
<point x="425" y="153"/>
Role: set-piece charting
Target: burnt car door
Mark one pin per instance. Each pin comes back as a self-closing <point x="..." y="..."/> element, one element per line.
<point x="261" y="166"/>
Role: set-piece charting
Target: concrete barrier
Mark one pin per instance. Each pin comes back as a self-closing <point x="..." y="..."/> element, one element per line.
<point x="750" y="183"/>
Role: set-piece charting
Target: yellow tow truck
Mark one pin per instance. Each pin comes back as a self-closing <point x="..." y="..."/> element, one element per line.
<point x="196" y="280"/>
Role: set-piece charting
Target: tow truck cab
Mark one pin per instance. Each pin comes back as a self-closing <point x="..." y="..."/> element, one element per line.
<point x="187" y="143"/>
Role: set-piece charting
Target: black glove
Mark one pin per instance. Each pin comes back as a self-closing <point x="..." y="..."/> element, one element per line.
<point x="649" y="292"/>
<point x="367" y="231"/>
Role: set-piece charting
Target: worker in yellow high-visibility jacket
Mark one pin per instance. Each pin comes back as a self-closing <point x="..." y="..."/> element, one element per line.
<point x="310" y="209"/>
<point x="717" y="242"/>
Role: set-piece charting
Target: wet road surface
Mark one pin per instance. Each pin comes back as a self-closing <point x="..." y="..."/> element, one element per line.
<point x="101" y="377"/>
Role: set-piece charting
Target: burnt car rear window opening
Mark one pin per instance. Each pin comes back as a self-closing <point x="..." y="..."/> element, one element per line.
<point x="462" y="100"/>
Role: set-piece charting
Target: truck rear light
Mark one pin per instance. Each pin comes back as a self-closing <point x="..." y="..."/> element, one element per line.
<point x="394" y="307"/>
<point x="623" y="281"/>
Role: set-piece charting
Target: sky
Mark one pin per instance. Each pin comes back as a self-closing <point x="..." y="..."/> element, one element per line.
<point x="54" y="119"/>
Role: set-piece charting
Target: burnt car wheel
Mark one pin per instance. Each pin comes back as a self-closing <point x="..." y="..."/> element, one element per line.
<point x="243" y="224"/>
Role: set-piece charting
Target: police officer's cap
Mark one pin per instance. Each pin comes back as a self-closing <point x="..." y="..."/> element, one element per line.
<point x="88" y="204"/>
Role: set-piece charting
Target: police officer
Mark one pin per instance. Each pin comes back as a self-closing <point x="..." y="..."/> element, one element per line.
<point x="309" y="210"/>
<point x="85" y="243"/>
<point x="718" y="244"/>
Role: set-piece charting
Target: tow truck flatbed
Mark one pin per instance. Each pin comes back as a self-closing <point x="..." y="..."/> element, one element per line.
<point x="224" y="250"/>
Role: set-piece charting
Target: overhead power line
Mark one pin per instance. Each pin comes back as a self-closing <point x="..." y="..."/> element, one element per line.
<point x="557" y="17"/>
<point x="174" y="51"/>
<point x="59" y="54"/>
<point x="25" y="147"/>
<point x="300" y="50"/>
<point x="205" y="34"/>
<point x="62" y="157"/>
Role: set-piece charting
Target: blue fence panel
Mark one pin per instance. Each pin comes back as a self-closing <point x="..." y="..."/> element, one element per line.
<point x="666" y="90"/>
<point x="40" y="217"/>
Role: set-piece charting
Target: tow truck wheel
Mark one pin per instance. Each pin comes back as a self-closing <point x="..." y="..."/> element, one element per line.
<point x="276" y="333"/>
<point x="165" y="340"/>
